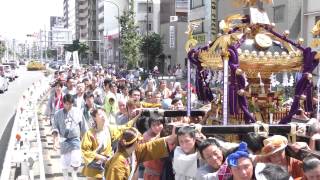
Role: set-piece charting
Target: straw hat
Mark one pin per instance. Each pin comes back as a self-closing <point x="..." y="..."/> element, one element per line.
<point x="274" y="144"/>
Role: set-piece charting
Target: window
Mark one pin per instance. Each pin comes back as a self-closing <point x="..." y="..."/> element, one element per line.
<point x="196" y="3"/>
<point x="200" y="28"/>
<point x="150" y="9"/>
<point x="142" y="7"/>
<point x="149" y="27"/>
<point x="279" y="14"/>
<point x="317" y="18"/>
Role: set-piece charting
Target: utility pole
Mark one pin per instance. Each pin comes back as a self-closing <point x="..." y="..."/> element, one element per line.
<point x="99" y="48"/>
<point x="14" y="48"/>
<point x="45" y="43"/>
<point x="147" y="34"/>
<point x="40" y="42"/>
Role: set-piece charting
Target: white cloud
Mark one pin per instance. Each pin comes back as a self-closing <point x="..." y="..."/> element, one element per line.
<point x="21" y="17"/>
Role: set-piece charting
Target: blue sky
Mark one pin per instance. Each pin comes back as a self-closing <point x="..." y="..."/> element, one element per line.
<point x="21" y="17"/>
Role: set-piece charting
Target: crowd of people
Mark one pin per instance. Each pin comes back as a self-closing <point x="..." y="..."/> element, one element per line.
<point x="97" y="118"/>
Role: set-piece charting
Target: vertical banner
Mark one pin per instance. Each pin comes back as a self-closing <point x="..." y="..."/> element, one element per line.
<point x="214" y="20"/>
<point x="75" y="56"/>
<point x="68" y="57"/>
<point x="171" y="36"/>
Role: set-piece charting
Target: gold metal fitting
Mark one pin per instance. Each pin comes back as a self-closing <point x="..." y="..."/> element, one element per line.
<point x="239" y="71"/>
<point x="286" y="33"/>
<point x="241" y="92"/>
<point x="309" y="76"/>
<point x="247" y="30"/>
<point x="303" y="97"/>
<point x="300" y="41"/>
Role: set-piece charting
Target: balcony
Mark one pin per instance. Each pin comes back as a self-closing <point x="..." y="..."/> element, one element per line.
<point x="101" y="15"/>
<point x="143" y="16"/>
<point x="83" y="23"/>
<point x="83" y="6"/>
<point x="101" y="27"/>
<point x="100" y="4"/>
<point x="181" y="6"/>
<point x="84" y="14"/>
<point x="84" y="32"/>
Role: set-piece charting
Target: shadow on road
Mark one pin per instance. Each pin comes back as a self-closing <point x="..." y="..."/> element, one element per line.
<point x="4" y="141"/>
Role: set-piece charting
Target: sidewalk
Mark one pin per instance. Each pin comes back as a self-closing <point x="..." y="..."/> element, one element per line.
<point x="51" y="157"/>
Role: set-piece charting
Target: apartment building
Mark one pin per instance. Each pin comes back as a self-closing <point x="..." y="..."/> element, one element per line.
<point x="173" y="25"/>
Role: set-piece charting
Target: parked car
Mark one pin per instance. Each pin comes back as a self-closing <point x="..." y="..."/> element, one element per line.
<point x="16" y="63"/>
<point x="22" y="62"/>
<point x="13" y="67"/>
<point x="8" y="72"/>
<point x="4" y="84"/>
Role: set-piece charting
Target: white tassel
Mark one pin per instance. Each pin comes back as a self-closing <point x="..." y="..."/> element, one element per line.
<point x="209" y="77"/>
<point x="220" y="77"/>
<point x="273" y="80"/>
<point x="214" y="77"/>
<point x="285" y="82"/>
<point x="291" y="81"/>
<point x="245" y="80"/>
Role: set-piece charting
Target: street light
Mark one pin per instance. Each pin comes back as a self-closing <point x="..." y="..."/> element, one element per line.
<point x="118" y="24"/>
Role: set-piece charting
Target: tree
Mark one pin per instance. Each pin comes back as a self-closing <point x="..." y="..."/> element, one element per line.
<point x="151" y="47"/>
<point x="130" y="39"/>
<point x="2" y="49"/>
<point x="51" y="53"/>
<point x="83" y="51"/>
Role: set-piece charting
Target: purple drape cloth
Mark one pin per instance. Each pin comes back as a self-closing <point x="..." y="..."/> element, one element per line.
<point x="202" y="88"/>
<point x="237" y="82"/>
<point x="308" y="105"/>
<point x="304" y="85"/>
<point x="233" y="87"/>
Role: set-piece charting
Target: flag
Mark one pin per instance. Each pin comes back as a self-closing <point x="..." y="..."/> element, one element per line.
<point x="75" y="56"/>
<point x="68" y="57"/>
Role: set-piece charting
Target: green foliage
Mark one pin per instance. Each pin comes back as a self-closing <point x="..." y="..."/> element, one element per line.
<point x="2" y="49"/>
<point x="51" y="53"/>
<point x="151" y="47"/>
<point x="130" y="39"/>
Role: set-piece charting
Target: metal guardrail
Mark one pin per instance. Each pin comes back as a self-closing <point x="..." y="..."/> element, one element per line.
<point x="26" y="132"/>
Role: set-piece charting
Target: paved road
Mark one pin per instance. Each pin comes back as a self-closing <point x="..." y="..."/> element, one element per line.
<point x="8" y="104"/>
<point x="9" y="99"/>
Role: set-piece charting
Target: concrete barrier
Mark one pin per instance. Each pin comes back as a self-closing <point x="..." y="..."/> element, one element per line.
<point x="26" y="133"/>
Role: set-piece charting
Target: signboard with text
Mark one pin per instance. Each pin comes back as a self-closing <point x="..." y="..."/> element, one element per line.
<point x="172" y="37"/>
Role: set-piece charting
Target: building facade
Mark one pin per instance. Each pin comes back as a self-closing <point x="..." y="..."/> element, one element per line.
<point x="56" y="24"/>
<point x="69" y="17"/>
<point x="173" y="25"/>
<point x="147" y="16"/>
<point x="80" y="17"/>
<point x="310" y="15"/>
<point x="108" y="29"/>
